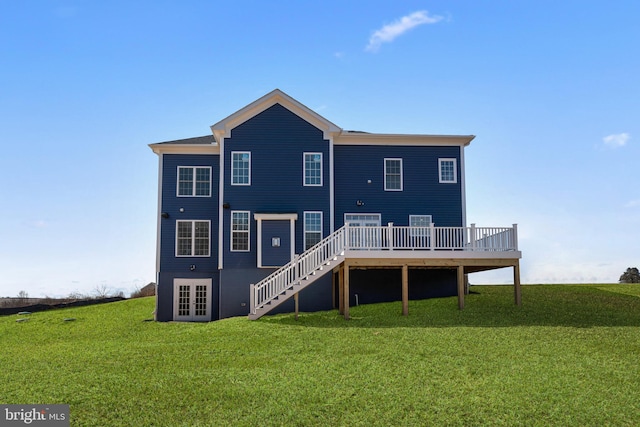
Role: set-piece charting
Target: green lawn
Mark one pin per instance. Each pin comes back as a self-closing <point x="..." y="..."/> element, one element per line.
<point x="567" y="357"/>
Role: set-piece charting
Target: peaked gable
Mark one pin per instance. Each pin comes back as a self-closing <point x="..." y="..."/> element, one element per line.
<point x="223" y="128"/>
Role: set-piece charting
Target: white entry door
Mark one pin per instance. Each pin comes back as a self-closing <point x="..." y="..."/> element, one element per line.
<point x="192" y="300"/>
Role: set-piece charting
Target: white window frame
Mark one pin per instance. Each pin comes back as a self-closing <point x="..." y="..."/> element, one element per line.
<point x="194" y="181"/>
<point x="306" y="231"/>
<point x="304" y="170"/>
<point x="364" y="217"/>
<point x="455" y="171"/>
<point x="386" y="188"/>
<point x="233" y="169"/>
<point x="420" y="232"/>
<point x="247" y="231"/>
<point x="193" y="223"/>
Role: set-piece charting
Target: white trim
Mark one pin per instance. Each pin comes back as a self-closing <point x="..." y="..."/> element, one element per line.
<point x="275" y="216"/>
<point x="463" y="190"/>
<point x="364" y="138"/>
<point x="258" y="241"/>
<point x="304" y="227"/>
<point x="193" y="187"/>
<point x="401" y="174"/>
<point x="159" y="226"/>
<point x="193" y="238"/>
<point x="304" y="169"/>
<point x="292" y="230"/>
<point x="248" y="232"/>
<point x="159" y="219"/>
<point x="455" y="170"/>
<point x="259" y="217"/>
<point x="192" y="283"/>
<point x="220" y="208"/>
<point x="332" y="223"/>
<point x="231" y="168"/>
<point x="223" y="128"/>
<point x="167" y="148"/>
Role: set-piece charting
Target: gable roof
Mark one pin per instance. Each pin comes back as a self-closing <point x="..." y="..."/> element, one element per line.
<point x="222" y="129"/>
<point x="210" y="144"/>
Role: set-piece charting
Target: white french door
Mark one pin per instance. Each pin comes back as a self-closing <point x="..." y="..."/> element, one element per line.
<point x="192" y="300"/>
<point x="363" y="238"/>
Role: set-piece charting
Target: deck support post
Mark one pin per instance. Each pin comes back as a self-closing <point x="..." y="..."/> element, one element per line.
<point x="341" y="290"/>
<point x="516" y="283"/>
<point x="405" y="290"/>
<point x="461" y="287"/>
<point x="296" y="303"/>
<point x="345" y="297"/>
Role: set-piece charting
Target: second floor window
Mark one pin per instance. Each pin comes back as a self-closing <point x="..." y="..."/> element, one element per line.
<point x="194" y="181"/>
<point x="392" y="174"/>
<point x="447" y="171"/>
<point x="313" y="169"/>
<point x="240" y="168"/>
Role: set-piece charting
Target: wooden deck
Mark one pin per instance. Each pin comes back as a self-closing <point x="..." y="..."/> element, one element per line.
<point x="464" y="249"/>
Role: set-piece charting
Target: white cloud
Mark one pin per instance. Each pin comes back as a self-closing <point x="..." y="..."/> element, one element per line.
<point x="389" y="32"/>
<point x="616" y="140"/>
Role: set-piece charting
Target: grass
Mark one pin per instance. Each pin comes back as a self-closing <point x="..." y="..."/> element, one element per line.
<point x="568" y="356"/>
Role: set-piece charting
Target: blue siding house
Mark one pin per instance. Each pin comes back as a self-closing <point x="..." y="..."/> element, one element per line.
<point x="280" y="210"/>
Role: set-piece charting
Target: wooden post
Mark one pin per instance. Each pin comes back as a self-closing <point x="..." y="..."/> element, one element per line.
<point x="295" y="301"/>
<point x="516" y="283"/>
<point x="345" y="298"/>
<point x="341" y="290"/>
<point x="405" y="290"/>
<point x="461" y="287"/>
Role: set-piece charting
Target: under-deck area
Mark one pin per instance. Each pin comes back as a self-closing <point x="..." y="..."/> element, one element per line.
<point x="463" y="263"/>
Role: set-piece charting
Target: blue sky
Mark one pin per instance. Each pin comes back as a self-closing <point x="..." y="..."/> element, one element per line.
<point x="550" y="88"/>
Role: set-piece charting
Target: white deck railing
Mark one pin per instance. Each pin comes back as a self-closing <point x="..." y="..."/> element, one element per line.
<point x="299" y="268"/>
<point x="380" y="238"/>
<point x="433" y="238"/>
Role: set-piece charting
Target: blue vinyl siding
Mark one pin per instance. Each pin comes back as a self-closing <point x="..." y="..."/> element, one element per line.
<point x="277" y="139"/>
<point x="195" y="208"/>
<point x="421" y="193"/>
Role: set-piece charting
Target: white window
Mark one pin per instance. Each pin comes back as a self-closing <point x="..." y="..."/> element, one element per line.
<point x="313" y="169"/>
<point x="192" y="238"/>
<point x="392" y="174"/>
<point x="363" y="220"/>
<point x="312" y="229"/>
<point x="240" y="231"/>
<point x="448" y="171"/>
<point x="421" y="221"/>
<point x="240" y="168"/>
<point x="194" y="181"/>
